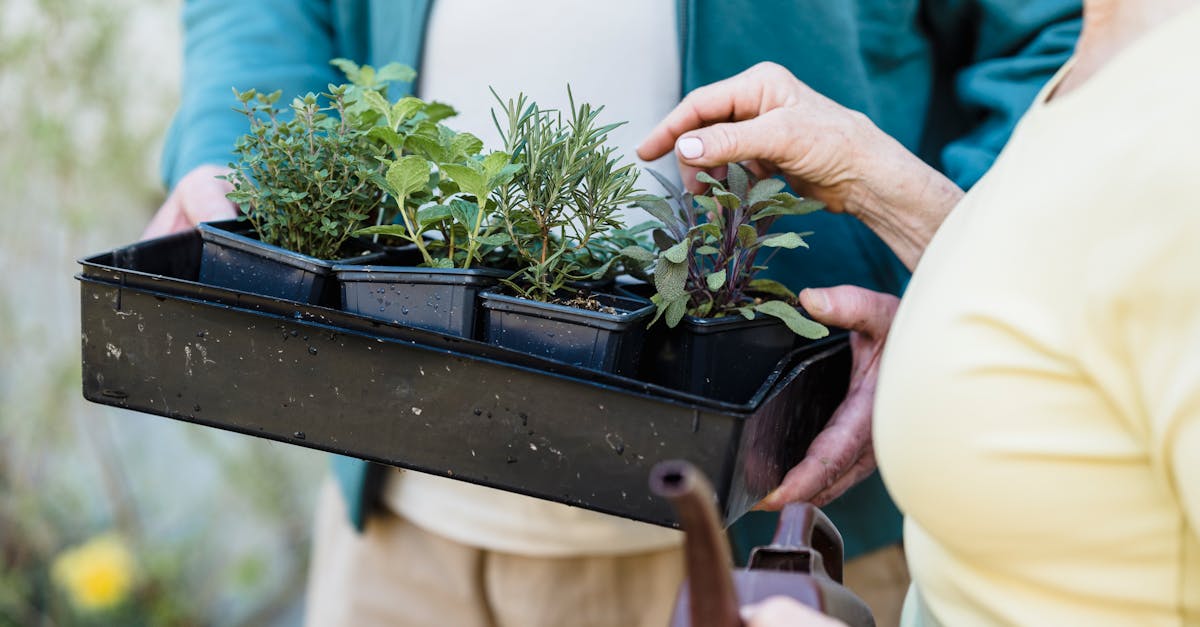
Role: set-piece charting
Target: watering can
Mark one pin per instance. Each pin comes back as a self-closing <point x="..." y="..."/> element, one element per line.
<point x="803" y="562"/>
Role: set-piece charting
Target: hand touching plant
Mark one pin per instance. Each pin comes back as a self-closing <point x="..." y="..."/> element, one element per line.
<point x="707" y="269"/>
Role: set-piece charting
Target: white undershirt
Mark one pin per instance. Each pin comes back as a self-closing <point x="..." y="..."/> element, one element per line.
<point x="618" y="53"/>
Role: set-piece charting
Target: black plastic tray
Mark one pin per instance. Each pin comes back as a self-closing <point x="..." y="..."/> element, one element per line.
<point x="156" y="341"/>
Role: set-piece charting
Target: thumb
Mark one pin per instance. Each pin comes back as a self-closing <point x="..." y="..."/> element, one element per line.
<point x="765" y="137"/>
<point x="851" y="307"/>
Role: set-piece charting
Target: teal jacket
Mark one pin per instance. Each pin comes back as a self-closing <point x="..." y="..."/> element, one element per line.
<point x="947" y="78"/>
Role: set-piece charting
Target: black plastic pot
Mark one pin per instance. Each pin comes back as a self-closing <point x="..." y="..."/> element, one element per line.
<point x="609" y="342"/>
<point x="723" y="358"/>
<point x="233" y="258"/>
<point x="438" y="299"/>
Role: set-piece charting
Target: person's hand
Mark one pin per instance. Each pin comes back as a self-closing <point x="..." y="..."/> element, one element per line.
<point x="785" y="612"/>
<point x="768" y="120"/>
<point x="842" y="454"/>
<point x="198" y="197"/>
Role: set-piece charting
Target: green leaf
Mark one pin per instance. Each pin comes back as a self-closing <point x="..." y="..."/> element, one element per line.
<point x="789" y="206"/>
<point x="715" y="280"/>
<point x="348" y="67"/>
<point x="464" y="145"/>
<point x="708" y="228"/>
<point x="678" y="252"/>
<point x="407" y="175"/>
<point x="793" y="319"/>
<point x="768" y="287"/>
<point x="658" y="207"/>
<point x="469" y="179"/>
<point x="425" y="146"/>
<point x="438" y="111"/>
<point x="706" y="250"/>
<point x="432" y="215"/>
<point x="708" y="204"/>
<point x="727" y="200"/>
<point x="637" y="253"/>
<point x="739" y="181"/>
<point x="384" y="229"/>
<point x="676" y="309"/>
<point x="396" y="72"/>
<point x="705" y="177"/>
<point x="404" y="109"/>
<point x="495" y="239"/>
<point x="747" y="235"/>
<point x="662" y="240"/>
<point x="764" y="190"/>
<point x="494" y="163"/>
<point x="670" y="279"/>
<point x="783" y="240"/>
<point x="747" y="312"/>
<point x="443" y="262"/>
<point x="387" y="136"/>
<point x="464" y="212"/>
<point x="376" y="102"/>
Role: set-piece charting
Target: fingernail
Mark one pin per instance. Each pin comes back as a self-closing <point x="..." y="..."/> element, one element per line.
<point x="689" y="147"/>
<point x="818" y="302"/>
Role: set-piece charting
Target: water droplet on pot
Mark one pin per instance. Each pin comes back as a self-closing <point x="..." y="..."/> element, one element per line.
<point x="615" y="442"/>
<point x="201" y="333"/>
<point x="195" y="408"/>
<point x="404" y="311"/>
<point x="478" y="412"/>
<point x="524" y="418"/>
<point x="299" y="435"/>
<point x="312" y="350"/>
<point x="295" y="333"/>
<point x="510" y="460"/>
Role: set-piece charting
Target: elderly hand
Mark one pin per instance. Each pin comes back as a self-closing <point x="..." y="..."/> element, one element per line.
<point x="842" y="454"/>
<point x="198" y="197"/>
<point x="785" y="612"/>
<point x="772" y="122"/>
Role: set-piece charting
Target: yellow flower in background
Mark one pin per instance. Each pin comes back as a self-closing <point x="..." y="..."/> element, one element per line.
<point x="96" y="574"/>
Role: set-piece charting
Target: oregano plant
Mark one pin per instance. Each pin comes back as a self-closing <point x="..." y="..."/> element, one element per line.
<point x="437" y="180"/>
<point x="707" y="268"/>
<point x="308" y="181"/>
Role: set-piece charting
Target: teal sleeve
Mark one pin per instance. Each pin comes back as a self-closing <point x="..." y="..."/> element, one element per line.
<point x="1012" y="48"/>
<point x="243" y="44"/>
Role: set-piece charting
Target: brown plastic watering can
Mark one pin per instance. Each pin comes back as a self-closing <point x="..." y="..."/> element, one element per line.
<point x="803" y="562"/>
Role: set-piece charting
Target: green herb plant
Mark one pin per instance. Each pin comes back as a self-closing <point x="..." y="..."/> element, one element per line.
<point x="307" y="181"/>
<point x="563" y="201"/>
<point x="707" y="268"/>
<point x="437" y="179"/>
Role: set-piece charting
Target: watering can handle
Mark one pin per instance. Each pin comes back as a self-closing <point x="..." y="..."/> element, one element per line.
<point x="803" y="529"/>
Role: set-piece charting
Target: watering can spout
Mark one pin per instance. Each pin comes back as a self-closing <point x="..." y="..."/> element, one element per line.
<point x="803" y="562"/>
<point x="712" y="599"/>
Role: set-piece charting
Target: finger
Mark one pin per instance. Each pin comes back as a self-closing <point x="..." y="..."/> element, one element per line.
<point x="206" y="202"/>
<point x="832" y="453"/>
<point x="164" y="220"/>
<point x="772" y="136"/>
<point x="781" y="611"/>
<point x="740" y="97"/>
<point x="851" y="307"/>
<point x="859" y="471"/>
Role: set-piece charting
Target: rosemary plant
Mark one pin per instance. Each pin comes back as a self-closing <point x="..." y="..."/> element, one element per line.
<point x="565" y="196"/>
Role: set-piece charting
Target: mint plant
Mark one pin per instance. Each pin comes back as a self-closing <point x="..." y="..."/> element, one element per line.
<point x="707" y="269"/>
<point x="563" y="198"/>
<point x="437" y="179"/>
<point x="308" y="181"/>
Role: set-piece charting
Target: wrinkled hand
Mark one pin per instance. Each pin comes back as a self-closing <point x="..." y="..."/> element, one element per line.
<point x="768" y="120"/>
<point x="842" y="454"/>
<point x="785" y="612"/>
<point x="198" y="197"/>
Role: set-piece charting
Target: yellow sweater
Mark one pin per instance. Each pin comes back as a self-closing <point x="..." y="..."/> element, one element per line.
<point x="1038" y="413"/>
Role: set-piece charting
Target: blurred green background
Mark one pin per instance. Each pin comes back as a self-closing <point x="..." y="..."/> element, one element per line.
<point x="178" y="525"/>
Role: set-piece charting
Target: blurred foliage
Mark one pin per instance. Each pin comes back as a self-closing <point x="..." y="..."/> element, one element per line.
<point x="208" y="527"/>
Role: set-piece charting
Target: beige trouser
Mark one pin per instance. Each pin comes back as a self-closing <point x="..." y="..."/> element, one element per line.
<point x="399" y="574"/>
<point x="881" y="579"/>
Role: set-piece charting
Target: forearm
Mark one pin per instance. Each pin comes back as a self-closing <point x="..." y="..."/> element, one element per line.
<point x="899" y="197"/>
